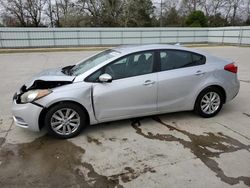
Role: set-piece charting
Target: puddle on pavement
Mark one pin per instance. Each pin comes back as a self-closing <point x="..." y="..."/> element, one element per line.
<point x="48" y="162"/>
<point x="205" y="147"/>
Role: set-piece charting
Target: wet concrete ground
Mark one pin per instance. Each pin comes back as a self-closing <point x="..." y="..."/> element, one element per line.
<point x="172" y="150"/>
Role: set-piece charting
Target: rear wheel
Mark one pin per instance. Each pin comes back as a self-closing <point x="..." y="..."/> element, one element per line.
<point x="65" y="120"/>
<point x="209" y="102"/>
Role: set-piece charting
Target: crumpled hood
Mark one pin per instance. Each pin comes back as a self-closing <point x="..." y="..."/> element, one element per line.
<point x="50" y="75"/>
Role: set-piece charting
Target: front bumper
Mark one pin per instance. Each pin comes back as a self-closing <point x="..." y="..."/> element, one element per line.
<point x="26" y="115"/>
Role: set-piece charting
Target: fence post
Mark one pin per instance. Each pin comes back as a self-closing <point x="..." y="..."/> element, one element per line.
<point x="178" y="35"/>
<point x="194" y="35"/>
<point x="1" y="41"/>
<point x="160" y="36"/>
<point x="207" y="36"/>
<point x="240" y="36"/>
<point x="54" y="37"/>
<point x="140" y="36"/>
<point x="78" y="38"/>
<point x="122" y="42"/>
<point x="223" y="35"/>
<point x="100" y="37"/>
<point x="28" y="33"/>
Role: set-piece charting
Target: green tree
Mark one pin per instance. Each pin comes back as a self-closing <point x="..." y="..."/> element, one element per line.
<point x="111" y="13"/>
<point x="248" y="21"/>
<point x="172" y="18"/>
<point x="138" y="13"/>
<point x="196" y="19"/>
<point x="216" y="21"/>
<point x="101" y="13"/>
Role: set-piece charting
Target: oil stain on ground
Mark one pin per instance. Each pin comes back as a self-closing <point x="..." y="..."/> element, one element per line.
<point x="94" y="140"/>
<point x="47" y="162"/>
<point x="2" y="140"/>
<point x="130" y="174"/>
<point x="199" y="145"/>
<point x="246" y="114"/>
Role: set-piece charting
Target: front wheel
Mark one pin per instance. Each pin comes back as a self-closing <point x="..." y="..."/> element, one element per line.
<point x="209" y="102"/>
<point x="65" y="120"/>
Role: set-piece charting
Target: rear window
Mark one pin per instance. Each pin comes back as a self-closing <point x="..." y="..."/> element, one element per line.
<point x="198" y="59"/>
<point x="175" y="59"/>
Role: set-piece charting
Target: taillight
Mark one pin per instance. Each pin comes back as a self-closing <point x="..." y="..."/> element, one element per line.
<point x="231" y="68"/>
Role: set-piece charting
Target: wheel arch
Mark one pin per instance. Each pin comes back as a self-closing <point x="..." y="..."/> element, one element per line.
<point x="45" y="110"/>
<point x="220" y="88"/>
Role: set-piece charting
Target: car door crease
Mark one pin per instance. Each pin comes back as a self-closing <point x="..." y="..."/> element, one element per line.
<point x="92" y="101"/>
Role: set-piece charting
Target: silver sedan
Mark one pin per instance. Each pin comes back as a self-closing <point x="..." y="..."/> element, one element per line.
<point x="125" y="82"/>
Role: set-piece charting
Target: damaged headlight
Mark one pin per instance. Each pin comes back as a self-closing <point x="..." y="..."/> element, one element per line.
<point x="33" y="95"/>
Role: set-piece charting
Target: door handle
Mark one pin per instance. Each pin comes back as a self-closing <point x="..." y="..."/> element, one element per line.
<point x="199" y="72"/>
<point x="148" y="82"/>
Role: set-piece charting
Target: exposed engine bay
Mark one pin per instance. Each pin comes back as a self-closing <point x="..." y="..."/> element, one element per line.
<point x="39" y="84"/>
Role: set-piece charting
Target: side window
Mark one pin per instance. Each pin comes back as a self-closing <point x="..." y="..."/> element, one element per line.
<point x="131" y="65"/>
<point x="164" y="62"/>
<point x="174" y="59"/>
<point x="94" y="77"/>
<point x="198" y="59"/>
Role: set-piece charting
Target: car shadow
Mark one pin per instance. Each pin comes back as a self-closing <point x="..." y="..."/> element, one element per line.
<point x="107" y="126"/>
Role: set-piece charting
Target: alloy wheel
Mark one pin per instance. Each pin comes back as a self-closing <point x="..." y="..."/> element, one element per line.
<point x="210" y="102"/>
<point x="65" y="121"/>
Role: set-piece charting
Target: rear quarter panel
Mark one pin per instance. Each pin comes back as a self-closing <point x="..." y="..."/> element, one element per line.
<point x="206" y="80"/>
<point x="218" y="76"/>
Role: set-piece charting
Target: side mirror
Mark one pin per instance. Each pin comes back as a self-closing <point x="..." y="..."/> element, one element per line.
<point x="105" y="78"/>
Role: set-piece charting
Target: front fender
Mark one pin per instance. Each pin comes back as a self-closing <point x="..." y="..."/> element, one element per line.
<point x="77" y="92"/>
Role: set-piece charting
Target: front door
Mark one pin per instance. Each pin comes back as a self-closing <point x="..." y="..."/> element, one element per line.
<point x="133" y="91"/>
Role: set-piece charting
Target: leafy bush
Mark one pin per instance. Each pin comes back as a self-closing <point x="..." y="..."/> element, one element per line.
<point x="196" y="19"/>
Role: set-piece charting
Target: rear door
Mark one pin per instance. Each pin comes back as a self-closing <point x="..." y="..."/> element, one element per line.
<point x="133" y="90"/>
<point x="180" y="74"/>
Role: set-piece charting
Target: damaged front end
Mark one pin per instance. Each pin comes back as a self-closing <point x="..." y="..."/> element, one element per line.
<point x="25" y="100"/>
<point x="39" y="89"/>
<point x="42" y="85"/>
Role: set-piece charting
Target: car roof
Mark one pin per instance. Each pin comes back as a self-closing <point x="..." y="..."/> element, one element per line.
<point x="125" y="49"/>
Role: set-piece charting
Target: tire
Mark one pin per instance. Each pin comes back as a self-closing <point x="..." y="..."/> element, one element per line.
<point x="65" y="120"/>
<point x="205" y="106"/>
